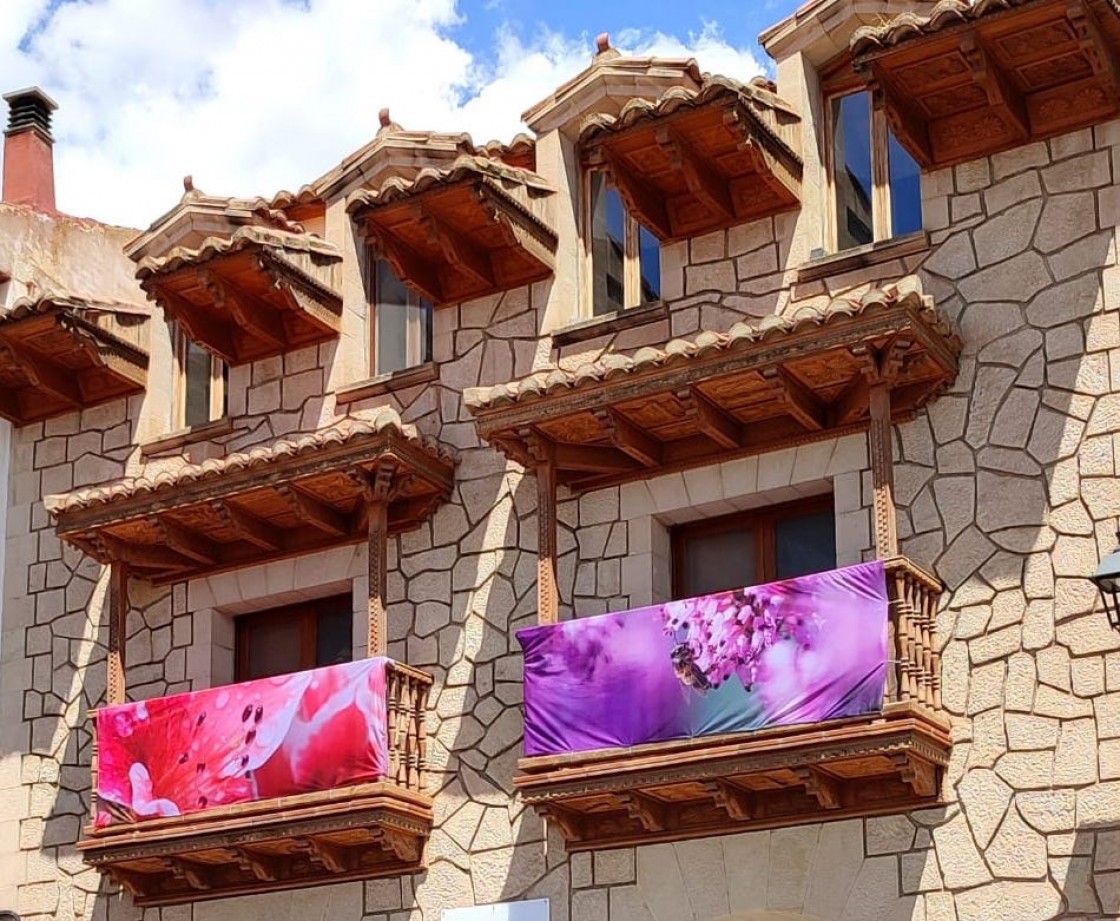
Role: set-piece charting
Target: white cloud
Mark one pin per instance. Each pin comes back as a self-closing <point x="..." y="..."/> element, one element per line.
<point x="257" y="95"/>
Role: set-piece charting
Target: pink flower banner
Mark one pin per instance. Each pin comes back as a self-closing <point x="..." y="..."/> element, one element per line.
<point x="298" y="733"/>
<point x="804" y="650"/>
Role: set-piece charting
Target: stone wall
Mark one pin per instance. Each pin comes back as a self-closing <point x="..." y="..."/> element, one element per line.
<point x="1007" y="487"/>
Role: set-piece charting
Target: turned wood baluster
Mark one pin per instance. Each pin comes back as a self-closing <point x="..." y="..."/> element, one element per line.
<point x="421" y="739"/>
<point x="393" y="681"/>
<point x="118" y="626"/>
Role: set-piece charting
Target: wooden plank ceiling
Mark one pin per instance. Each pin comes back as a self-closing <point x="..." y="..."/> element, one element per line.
<point x="296" y="496"/>
<point x="747" y="391"/>
<point x="458" y="234"/>
<point x="971" y="80"/>
<point x="254" y="295"/>
<point x="55" y="361"/>
<point x="698" y="161"/>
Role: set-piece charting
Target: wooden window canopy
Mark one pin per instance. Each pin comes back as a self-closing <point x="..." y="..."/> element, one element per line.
<point x="972" y="79"/>
<point x="55" y="359"/>
<point x="255" y="294"/>
<point x="696" y="161"/>
<point x="460" y="233"/>
<point x="792" y="379"/>
<point x="296" y="496"/>
<point x="307" y="839"/>
<point x="888" y="762"/>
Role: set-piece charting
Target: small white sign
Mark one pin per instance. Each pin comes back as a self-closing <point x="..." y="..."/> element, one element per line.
<point x="536" y="910"/>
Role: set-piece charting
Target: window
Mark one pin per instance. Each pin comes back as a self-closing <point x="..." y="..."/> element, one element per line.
<point x="625" y="257"/>
<point x="202" y="383"/>
<point x="400" y="324"/>
<point x="876" y="184"/>
<point x="751" y="548"/>
<point x="294" y="638"/>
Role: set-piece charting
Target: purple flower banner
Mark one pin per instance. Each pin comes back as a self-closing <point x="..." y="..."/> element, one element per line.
<point x="800" y="651"/>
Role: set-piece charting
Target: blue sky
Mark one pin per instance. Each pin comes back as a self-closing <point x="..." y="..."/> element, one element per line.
<point x="253" y="96"/>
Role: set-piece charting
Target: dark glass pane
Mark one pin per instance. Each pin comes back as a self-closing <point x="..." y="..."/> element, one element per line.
<point x="805" y="544"/>
<point x="608" y="246"/>
<point x="197" y="383"/>
<point x="649" y="259"/>
<point x="721" y="561"/>
<point x="274" y="647"/>
<point x="906" y="188"/>
<point x="334" y="634"/>
<point x="851" y="159"/>
<point x="391" y="304"/>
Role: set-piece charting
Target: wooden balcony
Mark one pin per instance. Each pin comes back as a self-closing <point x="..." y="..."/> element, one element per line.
<point x="308" y="839"/>
<point x="887" y="762"/>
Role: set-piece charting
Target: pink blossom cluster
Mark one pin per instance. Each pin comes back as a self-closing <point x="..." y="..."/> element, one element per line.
<point x="727" y="634"/>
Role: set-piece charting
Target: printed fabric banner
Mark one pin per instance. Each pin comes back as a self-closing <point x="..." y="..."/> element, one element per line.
<point x="799" y="651"/>
<point x="296" y="733"/>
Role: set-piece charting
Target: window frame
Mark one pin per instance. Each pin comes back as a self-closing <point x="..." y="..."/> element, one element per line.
<point x="415" y="325"/>
<point x="839" y="81"/>
<point x="306" y="612"/>
<point x="218" y="384"/>
<point x="762" y="521"/>
<point x="631" y="256"/>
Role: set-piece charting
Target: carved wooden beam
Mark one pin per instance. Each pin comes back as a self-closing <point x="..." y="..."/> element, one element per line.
<point x="250" y="313"/>
<point x="263" y="867"/>
<point x="548" y="586"/>
<point x="651" y="813"/>
<point x="852" y="403"/>
<point x="378" y="488"/>
<point x="456" y="248"/>
<point x="190" y="873"/>
<point x="570" y="823"/>
<point x="880" y="446"/>
<point x="331" y="857"/>
<point x="591" y="459"/>
<point x="118" y="620"/>
<point x="249" y="527"/>
<point x="710" y="420"/>
<point x="1099" y="52"/>
<point x="315" y="512"/>
<point x="825" y="788"/>
<point x="628" y="438"/>
<point x="406" y="848"/>
<point x="47" y="378"/>
<point x="184" y="541"/>
<point x="142" y="556"/>
<point x="409" y="265"/>
<point x="799" y="401"/>
<point x="132" y="883"/>
<point x="703" y="182"/>
<point x="642" y="200"/>
<point x="215" y="335"/>
<point x="911" y="131"/>
<point x="921" y="775"/>
<point x="735" y="801"/>
<point x="997" y="85"/>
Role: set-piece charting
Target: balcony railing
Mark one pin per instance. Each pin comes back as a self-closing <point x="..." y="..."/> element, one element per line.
<point x="311" y="778"/>
<point x="803" y="701"/>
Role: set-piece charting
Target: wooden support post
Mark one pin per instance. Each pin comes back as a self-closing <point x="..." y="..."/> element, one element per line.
<point x="548" y="593"/>
<point x="118" y="620"/>
<point x="882" y="471"/>
<point x="378" y="577"/>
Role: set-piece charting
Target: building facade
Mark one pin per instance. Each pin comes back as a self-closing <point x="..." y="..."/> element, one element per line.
<point x="857" y="328"/>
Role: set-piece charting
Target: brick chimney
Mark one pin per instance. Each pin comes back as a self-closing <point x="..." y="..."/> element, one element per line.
<point x="29" y="150"/>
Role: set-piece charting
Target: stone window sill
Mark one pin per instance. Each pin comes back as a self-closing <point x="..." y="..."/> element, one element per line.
<point x="180" y="438"/>
<point x="610" y="323"/>
<point x="863" y="256"/>
<point x="382" y="384"/>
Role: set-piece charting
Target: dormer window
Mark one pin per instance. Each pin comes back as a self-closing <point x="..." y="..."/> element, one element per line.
<point x="625" y="257"/>
<point x="400" y="323"/>
<point x="876" y="184"/>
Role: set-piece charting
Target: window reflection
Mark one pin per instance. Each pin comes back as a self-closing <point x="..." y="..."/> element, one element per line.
<point x="853" y="175"/>
<point x="402" y="323"/>
<point x="906" y="189"/>
<point x="625" y="256"/>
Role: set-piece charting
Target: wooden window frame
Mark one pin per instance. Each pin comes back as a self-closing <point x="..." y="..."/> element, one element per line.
<point x="414" y="331"/>
<point x="217" y="382"/>
<point x="631" y="256"/>
<point x="761" y="521"/>
<point x="306" y="612"/>
<point x="838" y="81"/>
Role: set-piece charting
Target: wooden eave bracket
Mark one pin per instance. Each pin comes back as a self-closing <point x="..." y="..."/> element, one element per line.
<point x="1101" y="55"/>
<point x="641" y="199"/>
<point x="912" y="132"/>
